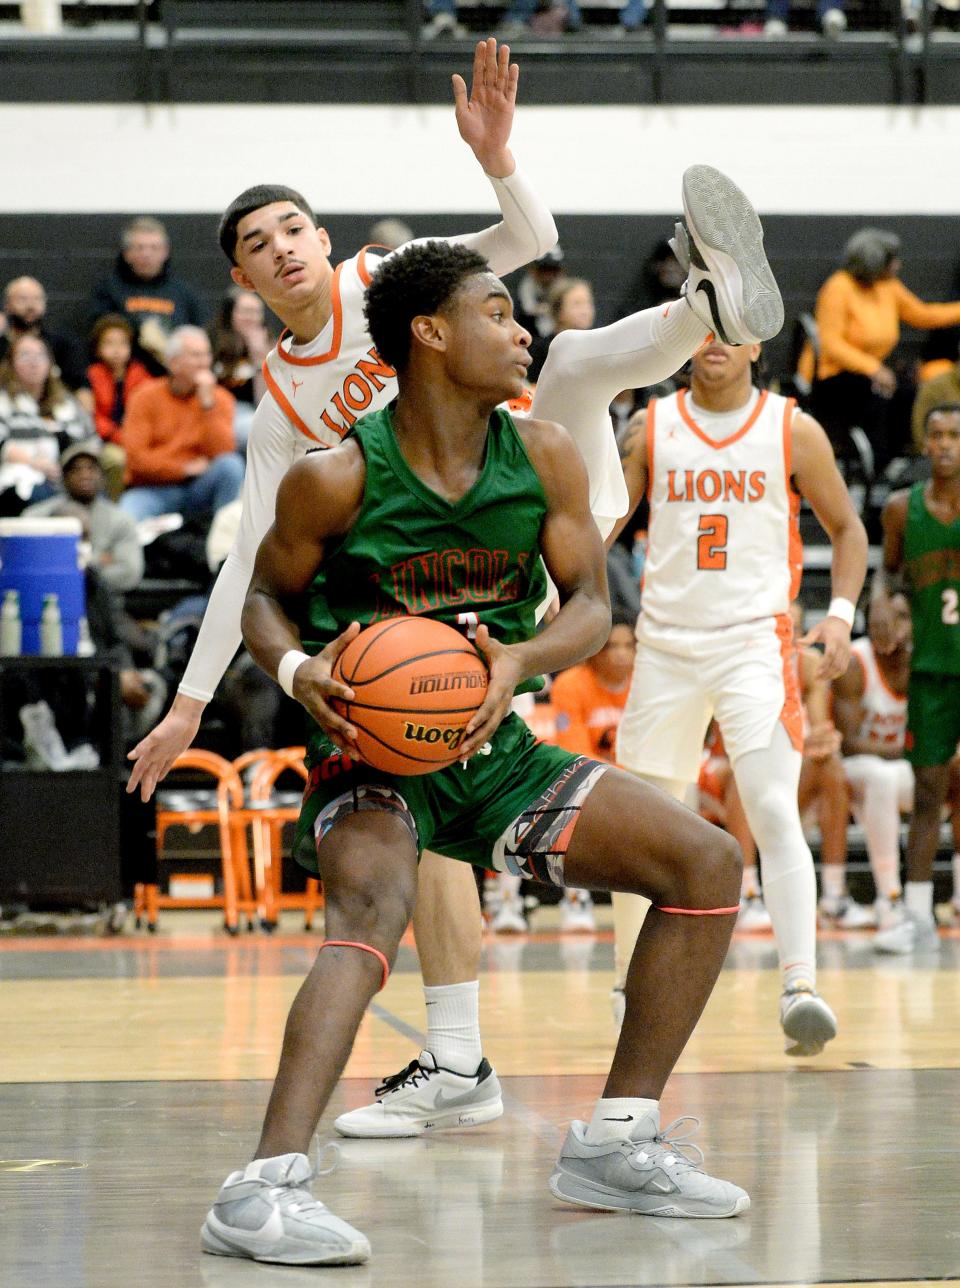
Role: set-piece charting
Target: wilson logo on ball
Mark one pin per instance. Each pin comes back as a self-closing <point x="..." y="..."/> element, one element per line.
<point x="430" y="734"/>
<point x="448" y="682"/>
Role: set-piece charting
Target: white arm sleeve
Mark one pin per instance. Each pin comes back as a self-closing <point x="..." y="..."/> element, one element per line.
<point x="526" y="231"/>
<point x="271" y="450"/>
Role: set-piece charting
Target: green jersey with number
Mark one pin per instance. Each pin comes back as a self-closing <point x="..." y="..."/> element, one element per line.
<point x="931" y="552"/>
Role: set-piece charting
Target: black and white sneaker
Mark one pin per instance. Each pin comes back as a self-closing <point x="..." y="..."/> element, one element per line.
<point x="729" y="286"/>
<point x="423" y="1097"/>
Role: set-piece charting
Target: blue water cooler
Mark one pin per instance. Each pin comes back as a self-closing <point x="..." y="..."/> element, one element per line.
<point x="39" y="557"/>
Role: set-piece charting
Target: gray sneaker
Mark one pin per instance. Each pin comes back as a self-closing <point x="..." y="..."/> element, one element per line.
<point x="807" y="1021"/>
<point x="730" y="285"/>
<point x="650" y="1176"/>
<point x="424" y="1098"/>
<point x="909" y="933"/>
<point x="267" y="1213"/>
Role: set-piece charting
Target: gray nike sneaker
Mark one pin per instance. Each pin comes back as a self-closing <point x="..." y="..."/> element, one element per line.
<point x="267" y="1213"/>
<point x="907" y="933"/>
<point x="807" y="1021"/>
<point x="649" y="1176"/>
<point x="424" y="1097"/>
<point x="729" y="286"/>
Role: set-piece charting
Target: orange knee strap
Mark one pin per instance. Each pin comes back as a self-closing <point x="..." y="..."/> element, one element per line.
<point x="701" y="912"/>
<point x="349" y="943"/>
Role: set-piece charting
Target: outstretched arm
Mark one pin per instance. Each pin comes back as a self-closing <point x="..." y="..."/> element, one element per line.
<point x="484" y="119"/>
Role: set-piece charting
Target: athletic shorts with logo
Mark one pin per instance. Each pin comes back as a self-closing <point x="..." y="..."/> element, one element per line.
<point x="513" y="806"/>
<point x="933" y="718"/>
<point x="744" y="675"/>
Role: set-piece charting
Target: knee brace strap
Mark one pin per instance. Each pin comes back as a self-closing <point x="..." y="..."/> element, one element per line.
<point x="349" y="943"/>
<point x="701" y="912"/>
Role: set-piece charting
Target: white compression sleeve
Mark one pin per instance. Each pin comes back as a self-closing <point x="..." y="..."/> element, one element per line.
<point x="526" y="231"/>
<point x="271" y="450"/>
<point x="767" y="781"/>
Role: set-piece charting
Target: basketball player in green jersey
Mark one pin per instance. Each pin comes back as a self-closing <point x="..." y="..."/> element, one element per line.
<point x="921" y="549"/>
<point x="360" y="530"/>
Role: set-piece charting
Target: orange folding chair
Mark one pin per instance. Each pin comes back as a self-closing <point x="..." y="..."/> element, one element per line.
<point x="267" y="812"/>
<point x="195" y="809"/>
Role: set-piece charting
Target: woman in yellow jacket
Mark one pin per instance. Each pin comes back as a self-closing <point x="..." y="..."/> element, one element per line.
<point x="859" y="311"/>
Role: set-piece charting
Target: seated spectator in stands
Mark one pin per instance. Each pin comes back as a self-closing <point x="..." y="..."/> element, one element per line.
<point x="551" y="17"/>
<point x="240" y="342"/>
<point x="859" y="311"/>
<point x="25" y="312"/>
<point x="178" y="437"/>
<point x="941" y="391"/>
<point x="830" y="16"/>
<point x="143" y="287"/>
<point x="115" y="550"/>
<point x="531" y="305"/>
<point x="39" y="417"/>
<point x="571" y="309"/>
<point x="389" y="232"/>
<point x="113" y="376"/>
<point x="658" y="281"/>
<point x="441" y="20"/>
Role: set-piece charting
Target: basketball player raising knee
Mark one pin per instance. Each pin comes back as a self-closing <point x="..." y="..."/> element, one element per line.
<point x="724" y="467"/>
<point x="444" y="471"/>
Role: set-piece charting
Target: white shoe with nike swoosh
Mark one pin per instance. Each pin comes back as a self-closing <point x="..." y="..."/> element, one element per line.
<point x="423" y="1098"/>
<point x="729" y="286"/>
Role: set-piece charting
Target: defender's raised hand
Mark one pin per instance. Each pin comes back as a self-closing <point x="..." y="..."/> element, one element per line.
<point x="486" y="117"/>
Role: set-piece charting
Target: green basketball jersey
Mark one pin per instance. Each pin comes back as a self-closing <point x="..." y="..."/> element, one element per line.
<point x="412" y="552"/>
<point x="931" y="552"/>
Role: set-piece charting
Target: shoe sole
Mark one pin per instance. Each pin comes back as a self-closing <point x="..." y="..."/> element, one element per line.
<point x="574" y="1189"/>
<point x="729" y="236"/>
<point x="218" y="1246"/>
<point x="452" y="1120"/>
<point x="809" y="1027"/>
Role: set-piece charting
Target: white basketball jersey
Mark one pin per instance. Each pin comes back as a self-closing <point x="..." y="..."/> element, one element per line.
<point x="724" y="542"/>
<point x="325" y="386"/>
<point x="884" y="722"/>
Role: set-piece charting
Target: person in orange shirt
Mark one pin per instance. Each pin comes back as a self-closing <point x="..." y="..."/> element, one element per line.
<point x="588" y="701"/>
<point x="859" y="311"/>
<point x="178" y="436"/>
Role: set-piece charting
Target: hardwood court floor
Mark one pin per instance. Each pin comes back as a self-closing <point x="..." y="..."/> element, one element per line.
<point x="135" y="1073"/>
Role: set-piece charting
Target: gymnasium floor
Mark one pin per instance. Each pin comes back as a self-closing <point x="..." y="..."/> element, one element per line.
<point x="135" y="1072"/>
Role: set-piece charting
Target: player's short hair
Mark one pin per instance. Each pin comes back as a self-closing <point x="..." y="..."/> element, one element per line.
<point x="941" y="409"/>
<point x="869" y="253"/>
<point x="251" y="199"/>
<point x="418" y="280"/>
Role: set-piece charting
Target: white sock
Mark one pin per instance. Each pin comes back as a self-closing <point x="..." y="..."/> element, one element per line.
<point x="956" y="880"/>
<point x="453" y="1025"/>
<point x="623" y="1118"/>
<point x="750" y="885"/>
<point x="918" y="897"/>
<point x="832" y="880"/>
<point x="509" y="886"/>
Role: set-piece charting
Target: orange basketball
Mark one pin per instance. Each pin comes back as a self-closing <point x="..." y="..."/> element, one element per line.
<point x="416" y="682"/>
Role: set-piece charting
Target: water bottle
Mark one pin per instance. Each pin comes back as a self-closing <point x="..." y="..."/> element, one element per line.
<point x="51" y="628"/>
<point x="85" y="644"/>
<point x="11" y="628"/>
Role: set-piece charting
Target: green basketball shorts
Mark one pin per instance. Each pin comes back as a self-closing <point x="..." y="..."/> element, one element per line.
<point x="933" y="718"/>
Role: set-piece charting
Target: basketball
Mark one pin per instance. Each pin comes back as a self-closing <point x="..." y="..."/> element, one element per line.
<point x="416" y="682"/>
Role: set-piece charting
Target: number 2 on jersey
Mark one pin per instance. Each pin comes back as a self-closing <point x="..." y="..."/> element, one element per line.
<point x="712" y="542"/>
<point x="950" y="616"/>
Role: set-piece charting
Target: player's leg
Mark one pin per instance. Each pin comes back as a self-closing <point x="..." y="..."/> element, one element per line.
<point x="823" y="784"/>
<point x="368" y="861"/>
<point x="448" y="930"/>
<point x="879" y="790"/>
<point x="632" y="838"/>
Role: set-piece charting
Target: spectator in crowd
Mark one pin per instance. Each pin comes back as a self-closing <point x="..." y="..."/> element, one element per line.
<point x="830" y="17"/>
<point x="115" y="550"/>
<point x="39" y="417"/>
<point x="24" y="312"/>
<point x="240" y="342"/>
<point x="441" y="20"/>
<point x="551" y="17"/>
<point x="144" y="288"/>
<point x="571" y="306"/>
<point x="390" y="232"/>
<point x="859" y="310"/>
<point x="113" y="376"/>
<point x="531" y="306"/>
<point x="178" y="437"/>
<point x="941" y="391"/>
<point x="658" y="281"/>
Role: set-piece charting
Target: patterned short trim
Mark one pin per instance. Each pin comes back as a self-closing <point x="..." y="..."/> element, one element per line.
<point x="535" y="843"/>
<point x="363" y="797"/>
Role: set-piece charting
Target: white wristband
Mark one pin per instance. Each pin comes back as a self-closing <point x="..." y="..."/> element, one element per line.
<point x="843" y="609"/>
<point x="289" y="664"/>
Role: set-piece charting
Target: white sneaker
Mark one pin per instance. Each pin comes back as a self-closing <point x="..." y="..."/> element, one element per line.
<point x="443" y="24"/>
<point x="576" y="914"/>
<point x="753" y="915"/>
<point x="729" y="285"/>
<point x="833" y="23"/>
<point x="909" y="933"/>
<point x="887" y="911"/>
<point x="775" y="28"/>
<point x="807" y="1021"/>
<point x="41" y="737"/>
<point x="846" y="914"/>
<point x="510" y="919"/>
<point x="423" y="1097"/>
<point x="267" y="1213"/>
